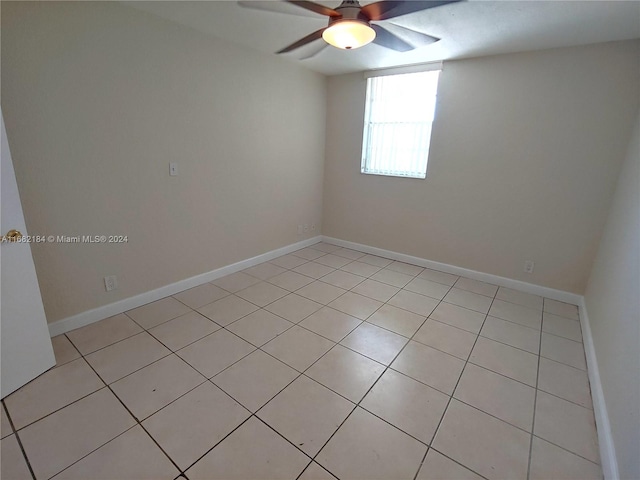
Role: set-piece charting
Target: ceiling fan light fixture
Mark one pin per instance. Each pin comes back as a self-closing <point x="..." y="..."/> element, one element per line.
<point x="349" y="34"/>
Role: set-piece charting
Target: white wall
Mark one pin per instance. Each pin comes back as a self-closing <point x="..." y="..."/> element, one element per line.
<point x="98" y="98"/>
<point x="613" y="306"/>
<point x="526" y="150"/>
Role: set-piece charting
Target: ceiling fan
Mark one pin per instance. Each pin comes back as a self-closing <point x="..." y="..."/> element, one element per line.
<point x="350" y="25"/>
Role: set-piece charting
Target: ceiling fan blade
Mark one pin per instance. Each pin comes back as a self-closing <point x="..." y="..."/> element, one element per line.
<point x="413" y="37"/>
<point x="315" y="51"/>
<point x="277" y="7"/>
<point x="387" y="9"/>
<point x="315" y="7"/>
<point x="387" y="39"/>
<point x="303" y="41"/>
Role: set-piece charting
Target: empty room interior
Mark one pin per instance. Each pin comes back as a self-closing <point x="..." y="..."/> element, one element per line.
<point x="320" y="240"/>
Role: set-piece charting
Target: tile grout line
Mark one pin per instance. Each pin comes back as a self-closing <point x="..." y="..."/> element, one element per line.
<point x="301" y="374"/>
<point x="453" y="393"/>
<point x="336" y="343"/>
<point x="509" y="345"/>
<point x="490" y="414"/>
<point x="64" y="406"/>
<point x="146" y="330"/>
<point x="561" y="398"/>
<point x="429" y="386"/>
<point x="367" y="392"/>
<point x="384" y="303"/>
<point x="535" y="399"/>
<point x="296" y="290"/>
<point x="101" y="445"/>
<point x="109" y="345"/>
<point x="134" y="371"/>
<point x="252" y="414"/>
<point x="20" y="445"/>
<point x="138" y="422"/>
<point x="94" y="450"/>
<point x="72" y="402"/>
<point x="517" y="323"/>
<point x="68" y="361"/>
<point x="566" y="450"/>
<point x="311" y="331"/>
<point x="387" y="367"/>
<point x="183" y="472"/>
<point x="190" y="343"/>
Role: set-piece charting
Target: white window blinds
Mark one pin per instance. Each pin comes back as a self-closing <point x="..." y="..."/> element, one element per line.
<point x="399" y="113"/>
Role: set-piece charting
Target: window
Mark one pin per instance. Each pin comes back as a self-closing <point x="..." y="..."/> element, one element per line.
<point x="398" y="116"/>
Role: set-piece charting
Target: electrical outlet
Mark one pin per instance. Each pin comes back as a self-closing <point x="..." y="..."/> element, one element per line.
<point x="300" y="229"/>
<point x="313" y="227"/>
<point x="110" y="283"/>
<point x="528" y="266"/>
<point x="306" y="228"/>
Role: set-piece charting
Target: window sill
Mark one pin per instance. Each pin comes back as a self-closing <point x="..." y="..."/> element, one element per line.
<point x="394" y="175"/>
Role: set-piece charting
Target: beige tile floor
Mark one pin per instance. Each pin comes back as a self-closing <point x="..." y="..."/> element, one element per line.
<point x="323" y="363"/>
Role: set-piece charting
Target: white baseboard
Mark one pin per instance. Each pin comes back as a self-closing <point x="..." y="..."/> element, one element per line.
<point x="106" y="311"/>
<point x="552" y="293"/>
<point x="608" y="459"/>
<point x="607" y="450"/>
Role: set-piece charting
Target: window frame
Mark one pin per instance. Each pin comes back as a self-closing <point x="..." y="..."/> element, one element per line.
<point x="366" y="134"/>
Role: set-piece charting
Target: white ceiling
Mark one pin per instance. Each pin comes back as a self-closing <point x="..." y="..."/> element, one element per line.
<point x="467" y="29"/>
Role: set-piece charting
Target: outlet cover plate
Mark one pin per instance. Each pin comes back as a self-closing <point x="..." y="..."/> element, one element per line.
<point x="110" y="283"/>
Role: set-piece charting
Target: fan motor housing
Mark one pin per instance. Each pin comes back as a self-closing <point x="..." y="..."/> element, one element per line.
<point x="349" y="10"/>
